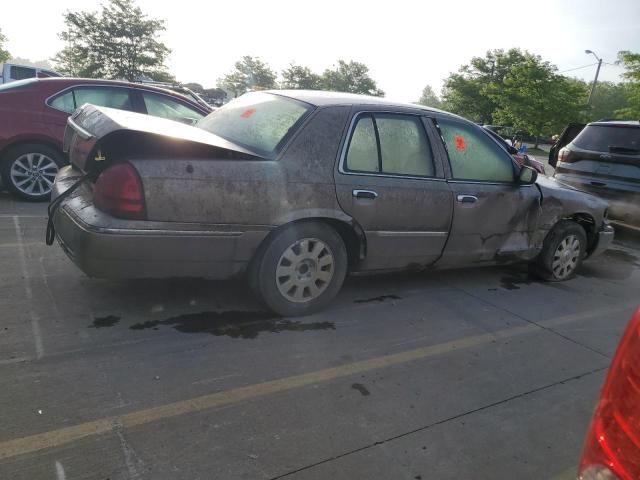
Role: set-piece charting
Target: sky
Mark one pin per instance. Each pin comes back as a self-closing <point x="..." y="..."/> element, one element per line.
<point x="406" y="44"/>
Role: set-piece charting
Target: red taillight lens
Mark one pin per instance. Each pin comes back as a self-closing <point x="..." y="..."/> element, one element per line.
<point x="118" y="192"/>
<point x="613" y="440"/>
<point x="563" y="154"/>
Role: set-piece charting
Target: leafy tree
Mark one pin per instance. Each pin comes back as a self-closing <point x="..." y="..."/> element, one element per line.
<point x="608" y="98"/>
<point x="118" y="42"/>
<point x="535" y="99"/>
<point x="352" y="77"/>
<point x="467" y="92"/>
<point x="429" y="98"/>
<point x="298" y="77"/>
<point x="631" y="61"/>
<point x="250" y="73"/>
<point x="4" y="54"/>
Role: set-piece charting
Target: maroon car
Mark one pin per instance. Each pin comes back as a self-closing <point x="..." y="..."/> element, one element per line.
<point x="33" y="116"/>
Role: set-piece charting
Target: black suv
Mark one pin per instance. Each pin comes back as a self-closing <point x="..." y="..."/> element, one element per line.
<point x="604" y="159"/>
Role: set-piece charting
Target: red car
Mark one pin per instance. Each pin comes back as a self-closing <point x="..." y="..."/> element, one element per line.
<point x="33" y="116"/>
<point x="612" y="447"/>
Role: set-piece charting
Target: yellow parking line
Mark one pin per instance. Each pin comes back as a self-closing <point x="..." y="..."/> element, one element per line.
<point x="55" y="438"/>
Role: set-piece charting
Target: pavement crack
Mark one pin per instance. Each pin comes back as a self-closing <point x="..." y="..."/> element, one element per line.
<point x="543" y="327"/>
<point x="439" y="422"/>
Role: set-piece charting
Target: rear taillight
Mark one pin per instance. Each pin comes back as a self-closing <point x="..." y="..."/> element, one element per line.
<point x="563" y="154"/>
<point x="118" y="192"/>
<point x="612" y="446"/>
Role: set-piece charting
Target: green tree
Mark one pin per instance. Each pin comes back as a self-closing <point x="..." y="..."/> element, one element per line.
<point x="352" y="77"/>
<point x="4" y="54"/>
<point x="467" y="92"/>
<point x="535" y="99"/>
<point x="118" y="42"/>
<point x="631" y="62"/>
<point x="608" y="98"/>
<point x="298" y="77"/>
<point x="429" y="98"/>
<point x="250" y="73"/>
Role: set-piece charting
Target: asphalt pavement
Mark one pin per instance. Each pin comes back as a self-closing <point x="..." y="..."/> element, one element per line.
<point x="464" y="374"/>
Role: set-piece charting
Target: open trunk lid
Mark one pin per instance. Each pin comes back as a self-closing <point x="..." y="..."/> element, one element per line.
<point x="97" y="136"/>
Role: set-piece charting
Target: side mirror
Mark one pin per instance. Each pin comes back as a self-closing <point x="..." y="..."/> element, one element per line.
<point x="527" y="176"/>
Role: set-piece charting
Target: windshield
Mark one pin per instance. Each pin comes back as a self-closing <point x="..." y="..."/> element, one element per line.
<point x="605" y="138"/>
<point x="257" y="121"/>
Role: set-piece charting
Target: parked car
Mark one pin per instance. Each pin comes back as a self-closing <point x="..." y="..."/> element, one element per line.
<point x="33" y="116"/>
<point x="521" y="158"/>
<point x="297" y="188"/>
<point x="604" y="159"/>
<point x="10" y="72"/>
<point x="612" y="449"/>
<point x="570" y="132"/>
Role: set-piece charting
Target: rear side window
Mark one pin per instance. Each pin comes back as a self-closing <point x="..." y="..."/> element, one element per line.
<point x="103" y="97"/>
<point x="166" y="107"/>
<point x="257" y="121"/>
<point x="474" y="155"/>
<point x="21" y="73"/>
<point x="404" y="147"/>
<point x="603" y="138"/>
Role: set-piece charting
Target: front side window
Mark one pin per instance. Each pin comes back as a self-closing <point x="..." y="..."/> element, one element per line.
<point x="103" y="97"/>
<point x="166" y="107"/>
<point x="403" y="146"/>
<point x="257" y="121"/>
<point x="22" y="73"/>
<point x="474" y="155"/>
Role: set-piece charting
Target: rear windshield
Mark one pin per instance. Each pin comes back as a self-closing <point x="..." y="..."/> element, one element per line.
<point x="603" y="138"/>
<point x="258" y="121"/>
<point x="18" y="84"/>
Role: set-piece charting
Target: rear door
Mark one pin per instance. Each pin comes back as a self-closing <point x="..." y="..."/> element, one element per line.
<point x="392" y="184"/>
<point x="570" y="132"/>
<point x="494" y="217"/>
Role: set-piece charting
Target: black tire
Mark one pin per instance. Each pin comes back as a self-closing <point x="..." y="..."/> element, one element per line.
<point x="16" y="156"/>
<point x="564" y="231"/>
<point x="303" y="237"/>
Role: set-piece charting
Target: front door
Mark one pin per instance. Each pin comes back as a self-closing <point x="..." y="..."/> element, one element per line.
<point x="390" y="183"/>
<point x="494" y="216"/>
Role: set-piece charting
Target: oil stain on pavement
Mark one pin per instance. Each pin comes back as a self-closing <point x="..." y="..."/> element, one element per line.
<point x="233" y="323"/>
<point x="108" y="321"/>
<point x="381" y="298"/>
<point x="361" y="388"/>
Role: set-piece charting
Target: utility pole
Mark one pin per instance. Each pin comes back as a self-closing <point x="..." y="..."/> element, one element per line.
<point x="595" y="80"/>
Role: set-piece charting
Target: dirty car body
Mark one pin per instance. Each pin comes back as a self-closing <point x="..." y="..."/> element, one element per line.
<point x="395" y="184"/>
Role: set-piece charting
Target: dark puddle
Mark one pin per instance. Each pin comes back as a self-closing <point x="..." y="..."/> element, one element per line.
<point x="611" y="265"/>
<point x="381" y="298"/>
<point x="622" y="256"/>
<point x="361" y="388"/>
<point x="108" y="321"/>
<point x="232" y="323"/>
<point x="516" y="281"/>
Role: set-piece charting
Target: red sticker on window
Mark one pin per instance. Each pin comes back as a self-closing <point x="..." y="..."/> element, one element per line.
<point x="459" y="141"/>
<point x="248" y="112"/>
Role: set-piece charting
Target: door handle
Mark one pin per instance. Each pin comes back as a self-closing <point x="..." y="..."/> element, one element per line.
<point x="370" y="194"/>
<point x="467" y="198"/>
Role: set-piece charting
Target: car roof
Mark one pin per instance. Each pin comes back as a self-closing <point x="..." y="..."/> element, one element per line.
<point x="325" y="98"/>
<point x="71" y="81"/>
<point x="618" y="123"/>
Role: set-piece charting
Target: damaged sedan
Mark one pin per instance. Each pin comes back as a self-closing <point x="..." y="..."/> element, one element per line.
<point x="296" y="189"/>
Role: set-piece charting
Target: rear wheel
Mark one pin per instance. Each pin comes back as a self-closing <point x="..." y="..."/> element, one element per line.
<point x="301" y="269"/>
<point x="28" y="171"/>
<point x="563" y="251"/>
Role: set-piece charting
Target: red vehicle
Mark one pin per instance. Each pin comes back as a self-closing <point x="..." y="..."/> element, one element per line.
<point x="33" y="116"/>
<point x="612" y="446"/>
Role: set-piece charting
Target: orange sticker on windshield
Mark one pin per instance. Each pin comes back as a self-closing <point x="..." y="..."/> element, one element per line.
<point x="248" y="112"/>
<point x="459" y="141"/>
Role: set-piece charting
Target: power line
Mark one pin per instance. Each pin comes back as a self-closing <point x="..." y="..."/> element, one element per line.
<point x="578" y="68"/>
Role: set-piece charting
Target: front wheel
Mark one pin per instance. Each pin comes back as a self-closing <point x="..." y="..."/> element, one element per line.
<point x="28" y="171"/>
<point x="562" y="252"/>
<point x="301" y="269"/>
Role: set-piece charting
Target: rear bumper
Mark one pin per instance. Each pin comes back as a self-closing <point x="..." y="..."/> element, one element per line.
<point x="605" y="239"/>
<point x="105" y="247"/>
